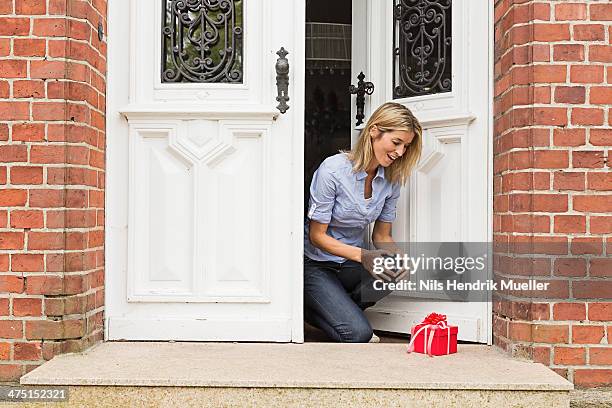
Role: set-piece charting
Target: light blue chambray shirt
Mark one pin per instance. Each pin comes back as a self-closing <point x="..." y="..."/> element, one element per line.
<point x="336" y="199"/>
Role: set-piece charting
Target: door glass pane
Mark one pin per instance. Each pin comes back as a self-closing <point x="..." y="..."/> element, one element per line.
<point x="422" y="47"/>
<point x="202" y="41"/>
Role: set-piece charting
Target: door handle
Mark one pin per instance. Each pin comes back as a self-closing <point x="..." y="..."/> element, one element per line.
<point x="361" y="90"/>
<point x="282" y="80"/>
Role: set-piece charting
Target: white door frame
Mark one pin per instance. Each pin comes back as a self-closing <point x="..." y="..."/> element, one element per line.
<point x="115" y="232"/>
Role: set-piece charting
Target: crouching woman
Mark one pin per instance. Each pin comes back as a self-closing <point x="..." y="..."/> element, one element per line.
<point x="349" y="191"/>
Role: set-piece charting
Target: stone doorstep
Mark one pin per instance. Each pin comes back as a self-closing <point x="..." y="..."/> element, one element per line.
<point x="591" y="398"/>
<point x="212" y="375"/>
<point x="308" y="365"/>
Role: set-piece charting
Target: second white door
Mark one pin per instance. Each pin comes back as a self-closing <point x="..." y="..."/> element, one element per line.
<point x="433" y="57"/>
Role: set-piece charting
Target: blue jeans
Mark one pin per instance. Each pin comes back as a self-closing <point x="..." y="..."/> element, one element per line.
<point x="335" y="296"/>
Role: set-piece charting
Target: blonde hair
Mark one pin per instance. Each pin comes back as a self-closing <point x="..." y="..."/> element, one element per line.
<point x="388" y="117"/>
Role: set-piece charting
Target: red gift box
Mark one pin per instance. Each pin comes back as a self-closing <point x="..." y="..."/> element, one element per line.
<point x="433" y="336"/>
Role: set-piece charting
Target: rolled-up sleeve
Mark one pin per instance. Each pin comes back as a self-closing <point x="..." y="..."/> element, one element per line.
<point x="388" y="212"/>
<point x="322" y="195"/>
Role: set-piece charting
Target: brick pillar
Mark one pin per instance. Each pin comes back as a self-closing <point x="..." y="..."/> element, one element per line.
<point x="52" y="145"/>
<point x="552" y="184"/>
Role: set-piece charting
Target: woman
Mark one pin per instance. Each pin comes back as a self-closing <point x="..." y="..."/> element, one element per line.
<point x="349" y="191"/>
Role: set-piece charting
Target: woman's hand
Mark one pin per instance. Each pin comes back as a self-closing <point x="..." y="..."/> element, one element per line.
<point x="374" y="261"/>
<point x="319" y="238"/>
<point x="382" y="239"/>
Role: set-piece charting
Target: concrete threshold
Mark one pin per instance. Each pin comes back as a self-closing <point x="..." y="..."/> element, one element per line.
<point x="309" y="374"/>
<point x="327" y="365"/>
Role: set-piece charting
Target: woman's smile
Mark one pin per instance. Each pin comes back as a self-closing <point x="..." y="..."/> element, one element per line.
<point x="391" y="157"/>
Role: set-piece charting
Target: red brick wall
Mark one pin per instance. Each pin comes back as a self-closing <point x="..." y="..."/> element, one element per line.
<point x="553" y="184"/>
<point x="52" y="141"/>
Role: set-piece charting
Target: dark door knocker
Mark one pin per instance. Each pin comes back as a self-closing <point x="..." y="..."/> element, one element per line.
<point x="361" y="90"/>
<point x="282" y="80"/>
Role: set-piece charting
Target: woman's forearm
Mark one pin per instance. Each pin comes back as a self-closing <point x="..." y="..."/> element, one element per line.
<point x="386" y="242"/>
<point x="329" y="244"/>
<point x="382" y="238"/>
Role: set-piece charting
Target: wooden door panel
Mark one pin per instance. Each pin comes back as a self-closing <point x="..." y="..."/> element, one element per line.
<point x="447" y="197"/>
<point x="204" y="225"/>
<point x="162" y="210"/>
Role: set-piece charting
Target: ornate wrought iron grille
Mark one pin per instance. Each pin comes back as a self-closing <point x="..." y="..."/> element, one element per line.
<point x="421" y="47"/>
<point x="202" y="41"/>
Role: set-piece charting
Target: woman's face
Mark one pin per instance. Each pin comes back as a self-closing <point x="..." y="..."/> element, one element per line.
<point x="389" y="146"/>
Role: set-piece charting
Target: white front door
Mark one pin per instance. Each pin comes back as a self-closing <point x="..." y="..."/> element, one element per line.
<point x="204" y="192"/>
<point x="448" y="196"/>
